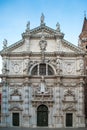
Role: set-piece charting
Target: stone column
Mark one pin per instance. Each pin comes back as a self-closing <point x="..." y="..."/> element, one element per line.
<point x="26" y="103"/>
<point x="34" y="118"/>
<point x="81" y="116"/>
<point x="30" y="104"/>
<point x="4" y="102"/>
<point x="50" y="121"/>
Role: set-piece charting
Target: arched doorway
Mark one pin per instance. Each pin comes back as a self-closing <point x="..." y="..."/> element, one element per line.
<point x="42" y="115"/>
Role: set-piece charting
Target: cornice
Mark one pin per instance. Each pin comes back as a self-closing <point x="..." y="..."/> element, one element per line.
<point x="37" y="54"/>
<point x="33" y="32"/>
<point x="46" y="76"/>
<point x="17" y="54"/>
<point x="73" y="47"/>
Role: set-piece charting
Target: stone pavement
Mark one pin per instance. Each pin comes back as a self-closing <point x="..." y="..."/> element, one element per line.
<point x="22" y="128"/>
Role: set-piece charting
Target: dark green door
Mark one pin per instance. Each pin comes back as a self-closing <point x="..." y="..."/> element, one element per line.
<point x="69" y="119"/>
<point x="42" y="115"/>
<point x="15" y="119"/>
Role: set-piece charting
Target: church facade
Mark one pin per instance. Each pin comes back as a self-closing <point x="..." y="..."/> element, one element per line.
<point x="43" y="80"/>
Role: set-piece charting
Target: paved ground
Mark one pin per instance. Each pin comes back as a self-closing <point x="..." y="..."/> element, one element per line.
<point x="21" y="128"/>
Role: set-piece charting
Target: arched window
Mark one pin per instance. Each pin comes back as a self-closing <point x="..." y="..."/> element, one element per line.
<point x="35" y="70"/>
<point x="50" y="70"/>
<point x="42" y="69"/>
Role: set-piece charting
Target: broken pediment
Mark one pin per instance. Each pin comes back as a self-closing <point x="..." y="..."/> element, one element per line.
<point x="69" y="107"/>
<point x="16" y="95"/>
<point x="69" y="96"/>
<point x="15" y="107"/>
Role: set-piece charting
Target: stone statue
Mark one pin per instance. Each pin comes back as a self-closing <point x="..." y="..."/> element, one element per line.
<point x="26" y="65"/>
<point x="28" y="26"/>
<point x="58" y="27"/>
<point x="4" y="43"/>
<point x="4" y="67"/>
<point x="42" y="19"/>
<point x="58" y="66"/>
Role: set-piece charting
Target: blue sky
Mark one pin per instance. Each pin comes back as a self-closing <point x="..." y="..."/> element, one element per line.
<point x="14" y="14"/>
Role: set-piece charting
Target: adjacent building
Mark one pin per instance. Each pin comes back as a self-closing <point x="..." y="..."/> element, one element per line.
<point x="83" y="45"/>
<point x="43" y="80"/>
<point x="0" y="101"/>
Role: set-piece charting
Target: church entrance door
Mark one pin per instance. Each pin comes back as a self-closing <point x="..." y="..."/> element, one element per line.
<point x="42" y="115"/>
<point x="69" y="119"/>
<point x="15" y="119"/>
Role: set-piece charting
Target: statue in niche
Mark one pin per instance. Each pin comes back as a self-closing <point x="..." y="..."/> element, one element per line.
<point x="4" y="67"/>
<point x="42" y="85"/>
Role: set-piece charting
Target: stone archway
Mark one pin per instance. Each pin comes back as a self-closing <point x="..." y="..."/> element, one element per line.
<point x="42" y="115"/>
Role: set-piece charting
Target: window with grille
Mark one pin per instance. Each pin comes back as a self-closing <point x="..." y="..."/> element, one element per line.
<point x="35" y="70"/>
<point x="42" y="69"/>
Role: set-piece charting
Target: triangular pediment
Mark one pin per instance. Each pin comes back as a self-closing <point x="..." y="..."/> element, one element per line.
<point x="69" y="108"/>
<point x="52" y="44"/>
<point x="70" y="48"/>
<point x="43" y="29"/>
<point x="18" y="45"/>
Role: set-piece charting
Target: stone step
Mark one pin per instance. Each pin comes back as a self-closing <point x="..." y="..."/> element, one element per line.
<point x="39" y="128"/>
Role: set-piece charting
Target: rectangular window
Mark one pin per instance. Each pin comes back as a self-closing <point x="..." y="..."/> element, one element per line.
<point x="42" y="69"/>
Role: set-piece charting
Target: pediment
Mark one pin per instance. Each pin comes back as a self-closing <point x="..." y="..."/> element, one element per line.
<point x="15" y="108"/>
<point x="50" y="35"/>
<point x="15" y="93"/>
<point x="70" y="48"/>
<point x="69" y="107"/>
<point x="42" y="29"/>
<point x="69" y="93"/>
<point x="16" y="46"/>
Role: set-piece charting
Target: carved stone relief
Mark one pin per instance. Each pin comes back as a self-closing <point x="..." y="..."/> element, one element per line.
<point x="43" y="44"/>
<point x="15" y="95"/>
<point x="4" y="66"/>
<point x="81" y="65"/>
<point x="52" y="61"/>
<point x="69" y="107"/>
<point x="16" y="67"/>
<point x="59" y="44"/>
<point x="69" y="95"/>
<point x="26" y="65"/>
<point x="58" y="66"/>
<point x="69" y="68"/>
<point x="15" y="106"/>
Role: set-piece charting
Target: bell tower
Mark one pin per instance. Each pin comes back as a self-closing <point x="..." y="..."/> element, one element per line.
<point x="83" y="35"/>
<point x="83" y="45"/>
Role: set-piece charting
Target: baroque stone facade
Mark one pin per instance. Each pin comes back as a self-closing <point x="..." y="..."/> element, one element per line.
<point x="43" y="80"/>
